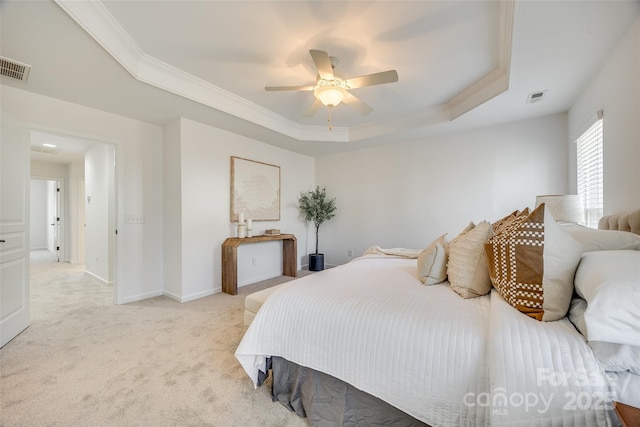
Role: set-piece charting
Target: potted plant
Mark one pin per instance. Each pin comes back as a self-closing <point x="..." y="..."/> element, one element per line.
<point x="317" y="207"/>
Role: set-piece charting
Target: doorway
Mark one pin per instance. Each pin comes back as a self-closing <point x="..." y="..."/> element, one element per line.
<point x="83" y="233"/>
<point x="46" y="213"/>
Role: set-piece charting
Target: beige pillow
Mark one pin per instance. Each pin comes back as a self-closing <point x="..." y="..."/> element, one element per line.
<point x="432" y="262"/>
<point x="467" y="268"/>
<point x="532" y="263"/>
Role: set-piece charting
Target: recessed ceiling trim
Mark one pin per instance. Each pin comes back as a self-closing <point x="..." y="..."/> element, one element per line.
<point x="322" y="133"/>
<point x="428" y="117"/>
<point x="486" y="88"/>
<point x="497" y="81"/>
<point x="98" y="22"/>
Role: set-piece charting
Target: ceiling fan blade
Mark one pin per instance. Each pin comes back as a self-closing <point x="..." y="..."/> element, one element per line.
<point x="357" y="105"/>
<point x="390" y="76"/>
<point x="274" y="88"/>
<point x="313" y="109"/>
<point x="323" y="63"/>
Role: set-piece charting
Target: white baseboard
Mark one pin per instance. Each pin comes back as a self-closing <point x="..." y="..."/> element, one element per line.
<point x="172" y="296"/>
<point x="103" y="281"/>
<point x="141" y="297"/>
<point x="192" y="297"/>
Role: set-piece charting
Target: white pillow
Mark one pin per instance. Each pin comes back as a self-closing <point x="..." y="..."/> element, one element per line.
<point x="602" y="240"/>
<point x="576" y="315"/>
<point x="467" y="268"/>
<point x="614" y="357"/>
<point x="610" y="283"/>
<point x="432" y="262"/>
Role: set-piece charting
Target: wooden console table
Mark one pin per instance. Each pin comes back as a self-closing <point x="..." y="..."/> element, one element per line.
<point x="230" y="258"/>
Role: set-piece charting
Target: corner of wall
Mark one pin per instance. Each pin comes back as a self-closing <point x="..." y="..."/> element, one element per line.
<point x="172" y="209"/>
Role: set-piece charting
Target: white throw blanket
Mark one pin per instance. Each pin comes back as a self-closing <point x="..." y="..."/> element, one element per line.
<point x="395" y="252"/>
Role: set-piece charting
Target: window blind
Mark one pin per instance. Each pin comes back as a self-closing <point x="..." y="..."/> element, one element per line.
<point x="589" y="170"/>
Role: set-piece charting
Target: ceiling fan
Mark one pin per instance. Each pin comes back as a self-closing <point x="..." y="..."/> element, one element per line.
<point x="331" y="90"/>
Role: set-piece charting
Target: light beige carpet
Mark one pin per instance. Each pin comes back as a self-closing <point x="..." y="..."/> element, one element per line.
<point x="84" y="361"/>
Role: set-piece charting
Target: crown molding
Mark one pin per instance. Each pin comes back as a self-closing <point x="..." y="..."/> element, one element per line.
<point x="427" y="117"/>
<point x="480" y="92"/>
<point x="497" y="81"/>
<point x="98" y="22"/>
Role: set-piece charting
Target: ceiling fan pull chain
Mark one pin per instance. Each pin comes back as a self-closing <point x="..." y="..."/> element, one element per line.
<point x="329" y="118"/>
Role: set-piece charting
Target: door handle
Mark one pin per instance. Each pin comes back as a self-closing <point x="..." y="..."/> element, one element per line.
<point x="2" y="240"/>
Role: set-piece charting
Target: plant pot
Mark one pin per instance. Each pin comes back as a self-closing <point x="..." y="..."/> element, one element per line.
<point x="316" y="262"/>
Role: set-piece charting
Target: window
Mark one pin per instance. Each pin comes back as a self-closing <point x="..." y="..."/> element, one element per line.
<point x="589" y="169"/>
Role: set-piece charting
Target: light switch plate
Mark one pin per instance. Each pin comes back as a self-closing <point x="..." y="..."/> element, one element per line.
<point x="133" y="219"/>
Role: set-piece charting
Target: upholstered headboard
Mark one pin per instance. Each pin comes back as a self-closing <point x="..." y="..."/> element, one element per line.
<point x="627" y="222"/>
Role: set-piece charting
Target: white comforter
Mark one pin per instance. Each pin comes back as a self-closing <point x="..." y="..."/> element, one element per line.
<point x="542" y="373"/>
<point x="444" y="360"/>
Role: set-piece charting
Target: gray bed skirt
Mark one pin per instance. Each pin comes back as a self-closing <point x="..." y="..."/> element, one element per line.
<point x="327" y="401"/>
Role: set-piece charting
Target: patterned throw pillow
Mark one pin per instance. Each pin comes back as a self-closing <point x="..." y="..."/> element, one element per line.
<point x="432" y="262"/>
<point x="500" y="224"/>
<point x="532" y="262"/>
<point x="467" y="269"/>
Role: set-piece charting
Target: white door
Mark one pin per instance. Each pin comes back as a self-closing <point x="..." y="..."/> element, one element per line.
<point x="14" y="230"/>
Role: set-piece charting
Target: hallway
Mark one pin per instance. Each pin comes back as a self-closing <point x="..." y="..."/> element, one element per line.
<point x="59" y="286"/>
<point x="86" y="361"/>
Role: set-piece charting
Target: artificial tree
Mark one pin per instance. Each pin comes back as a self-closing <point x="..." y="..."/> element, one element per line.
<point x="316" y="206"/>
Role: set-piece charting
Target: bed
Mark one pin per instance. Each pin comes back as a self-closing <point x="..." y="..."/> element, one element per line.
<point x="440" y="337"/>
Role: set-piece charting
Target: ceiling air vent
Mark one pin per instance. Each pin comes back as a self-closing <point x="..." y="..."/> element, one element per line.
<point x="14" y="69"/>
<point x="43" y="149"/>
<point x="536" y="97"/>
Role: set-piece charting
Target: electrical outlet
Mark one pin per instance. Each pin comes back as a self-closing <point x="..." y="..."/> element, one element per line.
<point x="253" y="261"/>
<point x="349" y="252"/>
<point x="133" y="219"/>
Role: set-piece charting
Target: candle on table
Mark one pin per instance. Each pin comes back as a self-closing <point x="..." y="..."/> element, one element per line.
<point x="248" y="224"/>
<point x="240" y="218"/>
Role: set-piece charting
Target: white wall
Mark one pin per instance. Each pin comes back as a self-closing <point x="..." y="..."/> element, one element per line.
<point x="139" y="179"/>
<point x="616" y="91"/>
<point x="75" y="214"/>
<point x="38" y="214"/>
<point x="99" y="172"/>
<point x="205" y="154"/>
<point x="405" y="195"/>
<point x="48" y="170"/>
<point x="172" y="210"/>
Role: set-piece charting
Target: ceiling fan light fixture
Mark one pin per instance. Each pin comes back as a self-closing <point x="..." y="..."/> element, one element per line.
<point x="330" y="96"/>
<point x="331" y="92"/>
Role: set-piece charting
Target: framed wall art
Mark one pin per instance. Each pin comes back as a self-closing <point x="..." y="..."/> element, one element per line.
<point x="255" y="190"/>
